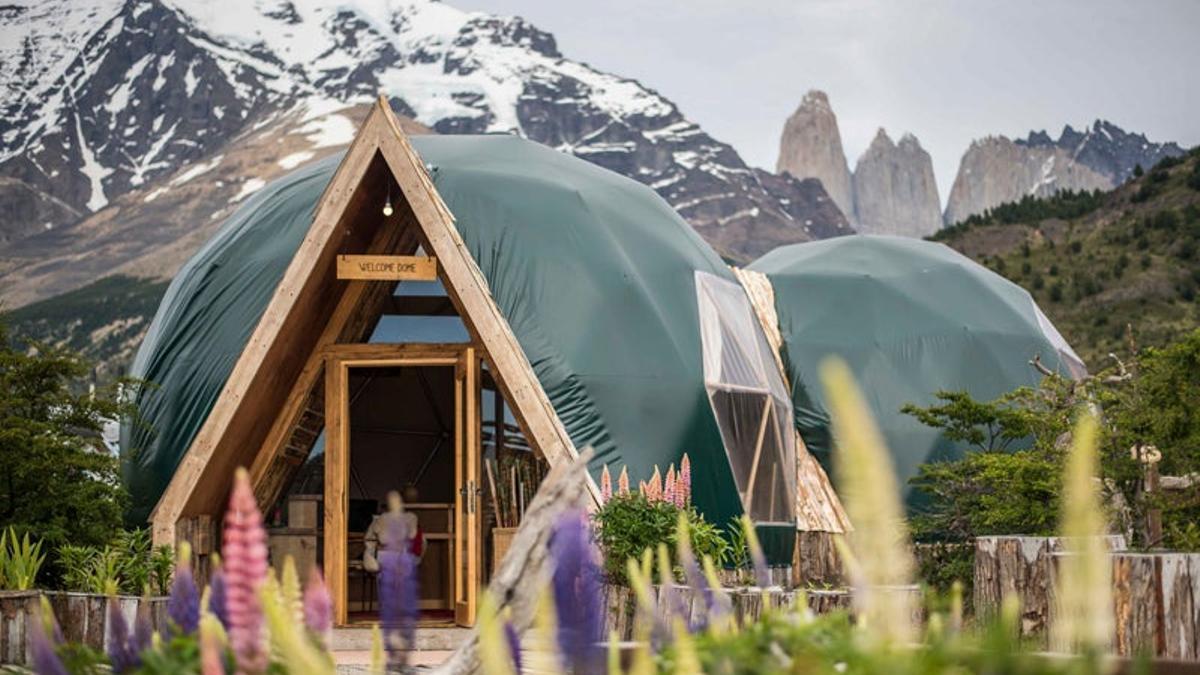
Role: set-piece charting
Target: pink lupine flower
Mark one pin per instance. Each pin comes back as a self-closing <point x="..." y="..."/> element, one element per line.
<point x="654" y="489"/>
<point x="669" y="486"/>
<point x="605" y="485"/>
<point x="683" y="485"/>
<point x="643" y="489"/>
<point x="623" y="482"/>
<point x="318" y="607"/>
<point x="244" y="550"/>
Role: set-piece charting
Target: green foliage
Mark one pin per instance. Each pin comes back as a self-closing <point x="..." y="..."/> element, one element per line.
<point x="1163" y="405"/>
<point x="57" y="478"/>
<point x="1064" y="204"/>
<point x="20" y="561"/>
<point x="941" y="564"/>
<point x="128" y="565"/>
<point x="1154" y="400"/>
<point x="780" y="643"/>
<point x="989" y="493"/>
<point x="628" y="524"/>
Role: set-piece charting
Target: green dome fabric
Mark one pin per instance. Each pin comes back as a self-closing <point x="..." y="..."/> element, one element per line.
<point x="909" y="317"/>
<point x="594" y="272"/>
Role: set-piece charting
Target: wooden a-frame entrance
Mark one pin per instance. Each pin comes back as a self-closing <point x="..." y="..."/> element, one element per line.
<point x="273" y="406"/>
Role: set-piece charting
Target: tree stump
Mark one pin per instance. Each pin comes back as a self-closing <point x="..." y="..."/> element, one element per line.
<point x="1156" y="604"/>
<point x="816" y="562"/>
<point x="1020" y="566"/>
<point x="827" y="601"/>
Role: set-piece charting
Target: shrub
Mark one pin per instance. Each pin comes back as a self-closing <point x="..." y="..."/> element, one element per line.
<point x="20" y="561"/>
<point x="988" y="493"/>
<point x="629" y="524"/>
<point x="128" y="565"/>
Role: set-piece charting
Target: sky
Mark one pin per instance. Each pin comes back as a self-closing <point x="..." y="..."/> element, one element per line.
<point x="946" y="71"/>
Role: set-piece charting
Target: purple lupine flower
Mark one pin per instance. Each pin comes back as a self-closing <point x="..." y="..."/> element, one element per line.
<point x="514" y="644"/>
<point x="45" y="660"/>
<point x="318" y="607"/>
<point x="216" y="598"/>
<point x="697" y="582"/>
<point x="123" y="653"/>
<point x="399" y="600"/>
<point x="183" y="606"/>
<point x="576" y="584"/>
<point x="244" y="549"/>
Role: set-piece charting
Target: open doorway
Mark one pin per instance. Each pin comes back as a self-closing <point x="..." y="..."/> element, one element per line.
<point x="402" y="437"/>
<point x="404" y="417"/>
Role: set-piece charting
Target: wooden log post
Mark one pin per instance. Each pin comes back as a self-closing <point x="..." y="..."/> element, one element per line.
<point x="1019" y="566"/>
<point x="1156" y="604"/>
<point x="816" y="561"/>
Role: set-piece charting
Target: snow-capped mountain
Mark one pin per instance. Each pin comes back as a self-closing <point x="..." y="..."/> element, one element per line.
<point x="104" y="96"/>
<point x="996" y="169"/>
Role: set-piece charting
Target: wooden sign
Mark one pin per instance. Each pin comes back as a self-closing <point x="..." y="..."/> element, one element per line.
<point x="387" y="267"/>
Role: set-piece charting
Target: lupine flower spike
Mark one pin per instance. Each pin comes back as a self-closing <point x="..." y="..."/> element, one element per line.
<point x="871" y="496"/>
<point x="576" y="583"/>
<point x="605" y="485"/>
<point x="514" y="640"/>
<point x="762" y="573"/>
<point x="495" y="655"/>
<point x="623" y="482"/>
<point x="211" y="660"/>
<point x="45" y="660"/>
<point x="654" y="489"/>
<point x="669" y="486"/>
<point x="318" y="607"/>
<point x="245" y="550"/>
<point x="123" y="652"/>
<point x="684" y="486"/>
<point x="691" y="571"/>
<point x="297" y="652"/>
<point x="1085" y="602"/>
<point x="216" y="597"/>
<point x="289" y="588"/>
<point x="183" y="607"/>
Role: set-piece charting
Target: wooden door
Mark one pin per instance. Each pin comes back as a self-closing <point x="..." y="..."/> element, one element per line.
<point x="467" y="458"/>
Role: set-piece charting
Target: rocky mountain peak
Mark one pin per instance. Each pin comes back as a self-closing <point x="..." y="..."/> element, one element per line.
<point x="1101" y="156"/>
<point x="881" y="141"/>
<point x="811" y="147"/>
<point x="894" y="188"/>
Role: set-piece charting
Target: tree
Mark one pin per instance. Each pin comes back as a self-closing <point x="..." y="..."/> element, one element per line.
<point x="986" y="426"/>
<point x="57" y="479"/>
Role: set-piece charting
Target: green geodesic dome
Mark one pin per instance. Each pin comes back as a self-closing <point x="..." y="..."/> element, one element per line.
<point x="910" y="318"/>
<point x="596" y="275"/>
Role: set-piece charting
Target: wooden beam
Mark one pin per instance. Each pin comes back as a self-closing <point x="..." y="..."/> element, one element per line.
<point x="337" y="486"/>
<point x="384" y="351"/>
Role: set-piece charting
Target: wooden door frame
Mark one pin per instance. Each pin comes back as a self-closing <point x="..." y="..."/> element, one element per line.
<point x="339" y="359"/>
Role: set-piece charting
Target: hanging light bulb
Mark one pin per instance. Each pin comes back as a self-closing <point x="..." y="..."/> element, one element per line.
<point x="387" y="205"/>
